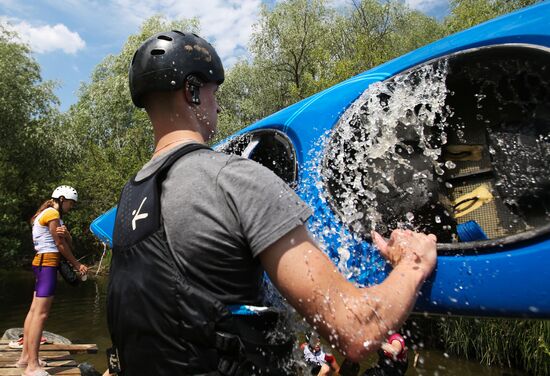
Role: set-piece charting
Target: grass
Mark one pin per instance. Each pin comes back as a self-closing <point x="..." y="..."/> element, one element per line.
<point x="522" y="344"/>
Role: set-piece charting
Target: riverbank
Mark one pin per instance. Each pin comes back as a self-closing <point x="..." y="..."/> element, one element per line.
<point x="504" y="342"/>
<point x="509" y="343"/>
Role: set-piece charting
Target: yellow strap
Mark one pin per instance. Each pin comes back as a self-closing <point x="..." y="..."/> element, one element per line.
<point x="469" y="202"/>
<point x="463" y="152"/>
<point x="46" y="259"/>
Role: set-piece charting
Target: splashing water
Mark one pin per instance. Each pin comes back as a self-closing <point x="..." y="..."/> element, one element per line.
<point x="346" y="169"/>
<point x="357" y="260"/>
<point x="382" y="155"/>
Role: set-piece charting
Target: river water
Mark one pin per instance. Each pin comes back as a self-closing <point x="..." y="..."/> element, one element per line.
<point x="79" y="314"/>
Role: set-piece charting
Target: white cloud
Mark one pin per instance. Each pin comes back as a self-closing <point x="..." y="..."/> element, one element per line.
<point x="47" y="38"/>
<point x="428" y="6"/>
<point x="226" y="24"/>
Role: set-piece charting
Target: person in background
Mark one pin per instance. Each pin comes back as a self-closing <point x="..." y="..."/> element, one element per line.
<point x="392" y="358"/>
<point x="51" y="241"/>
<point x="320" y="362"/>
<point x="196" y="229"/>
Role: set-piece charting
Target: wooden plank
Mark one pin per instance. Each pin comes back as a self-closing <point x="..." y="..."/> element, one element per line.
<point x="53" y="355"/>
<point x="73" y="349"/>
<point x="52" y="370"/>
<point x="51" y="363"/>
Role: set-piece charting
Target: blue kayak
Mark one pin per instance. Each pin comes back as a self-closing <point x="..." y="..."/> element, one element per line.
<point x="452" y="139"/>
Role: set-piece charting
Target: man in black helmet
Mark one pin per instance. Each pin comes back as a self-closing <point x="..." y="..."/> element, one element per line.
<point x="195" y="229"/>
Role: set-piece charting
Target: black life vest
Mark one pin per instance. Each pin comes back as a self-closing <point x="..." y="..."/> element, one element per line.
<point x="160" y="322"/>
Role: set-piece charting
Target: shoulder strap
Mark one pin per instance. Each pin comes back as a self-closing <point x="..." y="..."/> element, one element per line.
<point x="167" y="164"/>
<point x="138" y="211"/>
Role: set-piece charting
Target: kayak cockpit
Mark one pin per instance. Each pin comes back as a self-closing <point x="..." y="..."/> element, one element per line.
<point x="458" y="146"/>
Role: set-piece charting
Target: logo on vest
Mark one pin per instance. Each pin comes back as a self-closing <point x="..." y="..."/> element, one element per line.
<point x="137" y="215"/>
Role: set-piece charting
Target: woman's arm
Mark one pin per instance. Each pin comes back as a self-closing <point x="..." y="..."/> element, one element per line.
<point x="63" y="232"/>
<point x="63" y="246"/>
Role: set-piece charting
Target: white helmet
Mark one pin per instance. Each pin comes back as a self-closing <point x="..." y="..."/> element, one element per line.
<point x="64" y="190"/>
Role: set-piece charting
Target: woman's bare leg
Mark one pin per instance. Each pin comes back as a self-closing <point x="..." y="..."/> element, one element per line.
<point x="28" y="319"/>
<point x="40" y="309"/>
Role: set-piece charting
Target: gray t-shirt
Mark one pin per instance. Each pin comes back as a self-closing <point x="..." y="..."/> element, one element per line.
<point x="220" y="212"/>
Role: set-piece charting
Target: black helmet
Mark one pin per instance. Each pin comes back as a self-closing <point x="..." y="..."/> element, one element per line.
<point x="165" y="60"/>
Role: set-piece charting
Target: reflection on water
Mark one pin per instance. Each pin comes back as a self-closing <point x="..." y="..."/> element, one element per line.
<point x="79" y="313"/>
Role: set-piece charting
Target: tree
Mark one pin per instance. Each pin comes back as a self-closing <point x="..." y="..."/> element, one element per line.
<point x="289" y="47"/>
<point x="374" y="32"/>
<point x="300" y="47"/>
<point x="467" y="13"/>
<point x="30" y="154"/>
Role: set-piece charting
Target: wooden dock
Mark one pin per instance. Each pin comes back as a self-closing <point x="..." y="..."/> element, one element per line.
<point x="58" y="357"/>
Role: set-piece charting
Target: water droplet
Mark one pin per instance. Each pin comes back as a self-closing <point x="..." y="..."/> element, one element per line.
<point x="173" y="83"/>
<point x="382" y="188"/>
<point x="450" y="165"/>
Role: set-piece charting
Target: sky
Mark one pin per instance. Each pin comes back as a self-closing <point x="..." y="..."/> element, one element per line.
<point x="68" y="38"/>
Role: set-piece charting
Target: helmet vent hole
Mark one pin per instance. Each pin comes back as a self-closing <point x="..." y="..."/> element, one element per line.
<point x="165" y="37"/>
<point x="179" y="32"/>
<point x="157" y="51"/>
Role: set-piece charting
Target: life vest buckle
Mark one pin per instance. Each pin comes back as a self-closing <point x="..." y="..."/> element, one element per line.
<point x="229" y="344"/>
<point x="113" y="361"/>
<point x="232" y="353"/>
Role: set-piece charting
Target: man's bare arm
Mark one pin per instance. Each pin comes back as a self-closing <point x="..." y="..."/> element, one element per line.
<point x="353" y="319"/>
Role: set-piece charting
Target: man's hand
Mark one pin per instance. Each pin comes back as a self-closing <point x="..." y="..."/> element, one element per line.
<point x="406" y="246"/>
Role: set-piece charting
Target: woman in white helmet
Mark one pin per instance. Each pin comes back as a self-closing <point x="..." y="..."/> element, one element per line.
<point x="51" y="241"/>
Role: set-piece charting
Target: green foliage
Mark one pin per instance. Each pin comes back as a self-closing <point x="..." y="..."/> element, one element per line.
<point x="467" y="13"/>
<point x="31" y="155"/>
<point x="510" y="343"/>
<point x="301" y="47"/>
<point x="290" y="49"/>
